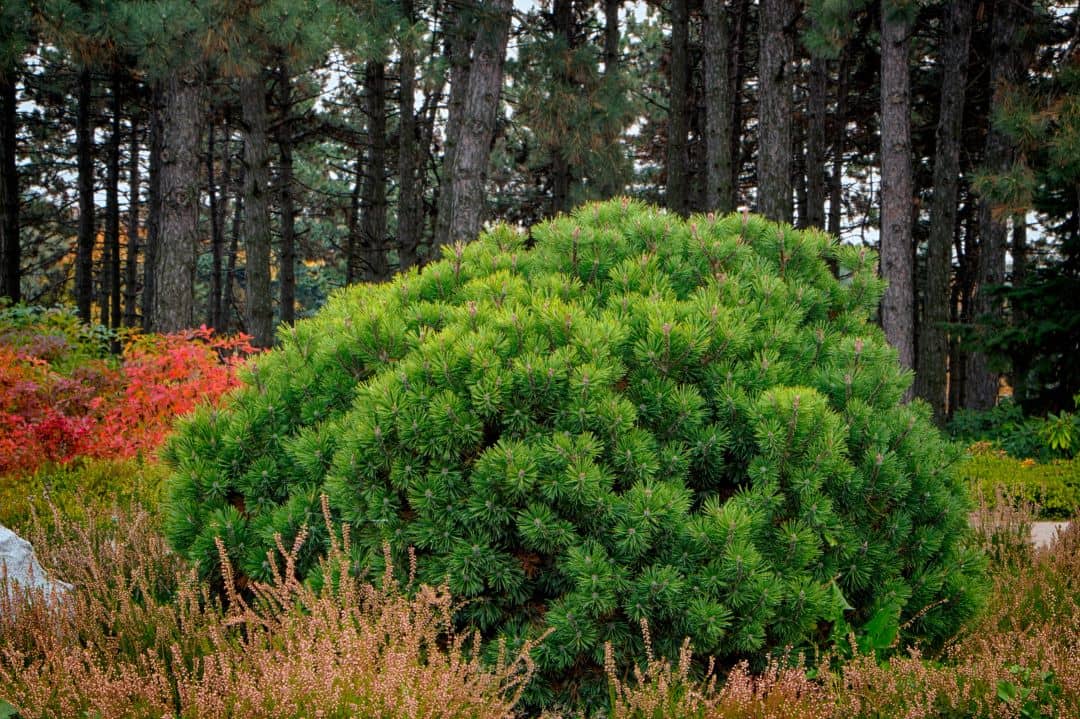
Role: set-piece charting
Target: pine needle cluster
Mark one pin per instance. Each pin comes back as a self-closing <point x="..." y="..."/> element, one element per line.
<point x="620" y="417"/>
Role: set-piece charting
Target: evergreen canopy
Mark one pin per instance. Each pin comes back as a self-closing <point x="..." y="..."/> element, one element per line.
<point x="637" y="417"/>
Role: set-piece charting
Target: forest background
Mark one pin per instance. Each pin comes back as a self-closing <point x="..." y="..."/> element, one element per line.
<point x="170" y="164"/>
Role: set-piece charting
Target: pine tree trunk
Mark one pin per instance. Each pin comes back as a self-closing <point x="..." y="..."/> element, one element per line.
<point x="611" y="35"/>
<point x="354" y="269"/>
<point x="425" y="164"/>
<point x="111" y="312"/>
<point x="10" y="249"/>
<point x="227" y="191"/>
<point x="897" y="260"/>
<point x="373" y="193"/>
<point x="739" y="17"/>
<point x="287" y="271"/>
<point x="131" y="261"/>
<point x="719" y="193"/>
<point x="459" y="42"/>
<point x="675" y="195"/>
<point x="817" y="102"/>
<point x="258" y="307"/>
<point x="481" y="109"/>
<point x="153" y="221"/>
<point x="798" y="168"/>
<point x="1021" y="364"/>
<point x="1006" y="70"/>
<point x="931" y="376"/>
<point x="839" y="136"/>
<point x="777" y="49"/>
<point x="965" y="248"/>
<point x="563" y="13"/>
<point x="609" y="181"/>
<point x="217" y="241"/>
<point x="409" y="186"/>
<point x="173" y="306"/>
<point x="84" y="151"/>
<point x="228" y="300"/>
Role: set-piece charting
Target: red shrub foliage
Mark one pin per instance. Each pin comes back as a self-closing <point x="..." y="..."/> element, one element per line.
<point x="108" y="410"/>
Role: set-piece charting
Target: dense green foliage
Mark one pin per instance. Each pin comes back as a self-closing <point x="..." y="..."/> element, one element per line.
<point x="1053" y="486"/>
<point x="690" y="422"/>
<point x="81" y="490"/>
<point x="1021" y="436"/>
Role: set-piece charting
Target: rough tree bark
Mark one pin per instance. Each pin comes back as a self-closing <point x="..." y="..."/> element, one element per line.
<point x="10" y="249"/>
<point x="173" y="306"/>
<point x="777" y="48"/>
<point x="353" y="268"/>
<point x="131" y="259"/>
<point x="719" y="192"/>
<point x="287" y="269"/>
<point x="610" y="185"/>
<point x="111" y="312"/>
<point x="1006" y="69"/>
<point x="217" y="241"/>
<point x="228" y="300"/>
<point x="459" y="41"/>
<point x="478" y="129"/>
<point x="817" y="101"/>
<point x="409" y="186"/>
<point x="153" y="220"/>
<point x="931" y="374"/>
<point x="897" y="257"/>
<point x="258" y="307"/>
<point x="739" y="16"/>
<point x="375" y="267"/>
<point x="84" y="151"/>
<point x="839" y="136"/>
<point x="675" y="195"/>
<point x="563" y="13"/>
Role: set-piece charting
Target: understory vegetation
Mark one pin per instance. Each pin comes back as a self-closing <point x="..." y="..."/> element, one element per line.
<point x="142" y="636"/>
<point x="338" y="620"/>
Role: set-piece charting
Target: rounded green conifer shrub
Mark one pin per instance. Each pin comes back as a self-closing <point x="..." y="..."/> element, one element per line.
<point x="620" y="416"/>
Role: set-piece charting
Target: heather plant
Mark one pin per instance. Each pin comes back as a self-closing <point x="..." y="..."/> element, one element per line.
<point x="1019" y="659"/>
<point x="140" y="636"/>
<point x="618" y="416"/>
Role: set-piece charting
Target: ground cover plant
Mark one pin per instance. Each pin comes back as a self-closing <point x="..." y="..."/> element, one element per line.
<point x="141" y="636"/>
<point x="621" y="416"/>
<point x="1054" y="485"/>
<point x="1020" y="658"/>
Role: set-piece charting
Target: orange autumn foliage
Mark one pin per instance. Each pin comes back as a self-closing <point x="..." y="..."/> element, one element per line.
<point x="107" y="409"/>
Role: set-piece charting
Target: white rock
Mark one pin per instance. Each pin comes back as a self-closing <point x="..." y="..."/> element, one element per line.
<point x="19" y="564"/>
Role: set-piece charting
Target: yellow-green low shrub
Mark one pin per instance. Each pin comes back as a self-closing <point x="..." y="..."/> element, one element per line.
<point x="82" y="489"/>
<point x="1054" y="486"/>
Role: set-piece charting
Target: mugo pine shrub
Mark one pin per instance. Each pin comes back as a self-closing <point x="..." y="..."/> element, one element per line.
<point x="636" y="418"/>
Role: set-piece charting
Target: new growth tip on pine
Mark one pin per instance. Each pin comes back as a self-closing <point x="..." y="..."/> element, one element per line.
<point x="640" y="417"/>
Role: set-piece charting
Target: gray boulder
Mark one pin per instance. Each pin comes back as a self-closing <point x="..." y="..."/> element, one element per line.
<point x="20" y="565"/>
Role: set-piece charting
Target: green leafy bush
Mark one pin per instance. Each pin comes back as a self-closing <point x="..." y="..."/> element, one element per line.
<point x="1056" y="436"/>
<point x="640" y="417"/>
<point x="1054" y="486"/>
<point x="55" y="335"/>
